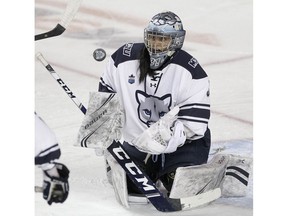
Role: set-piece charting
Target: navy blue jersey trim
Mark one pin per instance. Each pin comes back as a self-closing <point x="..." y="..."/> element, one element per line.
<point x="48" y="149"/>
<point x="104" y="87"/>
<point x="195" y="104"/>
<point x="48" y="158"/>
<point x="195" y="112"/>
<point x="128" y="52"/>
<point x="193" y="120"/>
<point x="187" y="61"/>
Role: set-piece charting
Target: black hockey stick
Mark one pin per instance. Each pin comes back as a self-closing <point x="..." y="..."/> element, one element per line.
<point x="70" y="12"/>
<point x="148" y="188"/>
<point x="49" y="68"/>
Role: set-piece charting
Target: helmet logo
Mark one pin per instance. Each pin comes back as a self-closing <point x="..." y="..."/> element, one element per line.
<point x="165" y="18"/>
<point x="155" y="62"/>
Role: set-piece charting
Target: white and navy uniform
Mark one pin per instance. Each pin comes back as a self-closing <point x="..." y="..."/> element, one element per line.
<point x="46" y="146"/>
<point x="181" y="81"/>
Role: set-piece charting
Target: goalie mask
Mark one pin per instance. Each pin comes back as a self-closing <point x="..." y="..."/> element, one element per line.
<point x="163" y="36"/>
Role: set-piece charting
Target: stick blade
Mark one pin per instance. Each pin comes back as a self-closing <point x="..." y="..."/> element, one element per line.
<point x="58" y="30"/>
<point x="70" y="12"/>
<point x="200" y="199"/>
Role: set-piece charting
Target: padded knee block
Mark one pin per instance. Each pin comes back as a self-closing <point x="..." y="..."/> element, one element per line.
<point x="237" y="176"/>
<point x="192" y="180"/>
<point x="228" y="172"/>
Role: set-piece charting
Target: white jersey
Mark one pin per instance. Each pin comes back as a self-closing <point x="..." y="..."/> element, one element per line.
<point x="181" y="82"/>
<point x="46" y="145"/>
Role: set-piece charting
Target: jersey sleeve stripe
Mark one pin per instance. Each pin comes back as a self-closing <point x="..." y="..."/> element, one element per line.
<point x="48" y="155"/>
<point x="103" y="87"/>
<point x="195" y="112"/>
<point x="195" y="104"/>
<point x="191" y="119"/>
<point x="48" y="150"/>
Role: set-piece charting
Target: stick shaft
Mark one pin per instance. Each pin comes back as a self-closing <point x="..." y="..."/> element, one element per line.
<point x="50" y="69"/>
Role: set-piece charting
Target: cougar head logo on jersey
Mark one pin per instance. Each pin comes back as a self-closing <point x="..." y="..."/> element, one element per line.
<point x="151" y="108"/>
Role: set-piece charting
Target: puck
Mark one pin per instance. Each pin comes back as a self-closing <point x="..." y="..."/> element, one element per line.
<point x="99" y="54"/>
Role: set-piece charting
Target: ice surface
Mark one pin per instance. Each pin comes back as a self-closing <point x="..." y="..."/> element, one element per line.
<point x="219" y="35"/>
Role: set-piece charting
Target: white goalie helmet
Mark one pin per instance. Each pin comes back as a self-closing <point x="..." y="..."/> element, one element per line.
<point x="163" y="36"/>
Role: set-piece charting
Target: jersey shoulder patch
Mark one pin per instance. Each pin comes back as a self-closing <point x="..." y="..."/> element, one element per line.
<point x="128" y="52"/>
<point x="190" y="63"/>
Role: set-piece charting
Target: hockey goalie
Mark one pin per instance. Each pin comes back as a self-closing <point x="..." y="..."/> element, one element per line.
<point x="152" y="124"/>
<point x="179" y="171"/>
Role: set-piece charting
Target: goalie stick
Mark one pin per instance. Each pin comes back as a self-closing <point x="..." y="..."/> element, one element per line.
<point x="148" y="188"/>
<point x="49" y="68"/>
<point x="69" y="14"/>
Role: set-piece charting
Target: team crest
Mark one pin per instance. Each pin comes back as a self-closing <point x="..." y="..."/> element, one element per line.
<point x="131" y="79"/>
<point x="151" y="108"/>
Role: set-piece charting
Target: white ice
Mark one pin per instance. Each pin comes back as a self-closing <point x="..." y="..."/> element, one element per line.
<point x="219" y="35"/>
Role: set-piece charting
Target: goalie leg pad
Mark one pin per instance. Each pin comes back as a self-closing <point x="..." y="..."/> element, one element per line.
<point x="237" y="176"/>
<point x="227" y="171"/>
<point x="192" y="180"/>
<point x="119" y="182"/>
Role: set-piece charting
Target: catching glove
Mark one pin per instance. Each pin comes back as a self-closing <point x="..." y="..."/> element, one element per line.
<point x="178" y="139"/>
<point x="159" y="138"/>
<point x="55" y="184"/>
